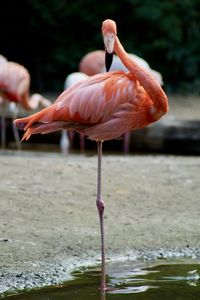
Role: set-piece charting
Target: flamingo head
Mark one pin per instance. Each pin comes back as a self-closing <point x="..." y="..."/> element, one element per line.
<point x="109" y="31"/>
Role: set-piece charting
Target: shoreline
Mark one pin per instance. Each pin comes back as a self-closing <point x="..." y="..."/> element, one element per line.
<point x="49" y="222"/>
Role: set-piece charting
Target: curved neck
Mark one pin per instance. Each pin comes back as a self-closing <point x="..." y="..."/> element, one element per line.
<point x="27" y="103"/>
<point x="33" y="102"/>
<point x="145" y="79"/>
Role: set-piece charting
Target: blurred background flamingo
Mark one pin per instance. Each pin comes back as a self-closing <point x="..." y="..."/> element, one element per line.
<point x="94" y="62"/>
<point x="15" y="88"/>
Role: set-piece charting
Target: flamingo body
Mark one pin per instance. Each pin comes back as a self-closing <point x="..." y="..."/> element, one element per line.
<point x="74" y="78"/>
<point x="15" y="85"/>
<point x="103" y="107"/>
<point x="92" y="63"/>
<point x="14" y="80"/>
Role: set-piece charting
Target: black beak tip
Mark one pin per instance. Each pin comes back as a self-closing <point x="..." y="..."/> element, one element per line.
<point x="109" y="59"/>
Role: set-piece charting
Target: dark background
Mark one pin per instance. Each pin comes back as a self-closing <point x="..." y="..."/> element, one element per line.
<point x="50" y="37"/>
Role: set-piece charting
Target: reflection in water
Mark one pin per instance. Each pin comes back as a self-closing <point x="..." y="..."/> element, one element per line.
<point x="102" y="296"/>
<point x="132" y="289"/>
<point x="193" y="277"/>
<point x="173" y="281"/>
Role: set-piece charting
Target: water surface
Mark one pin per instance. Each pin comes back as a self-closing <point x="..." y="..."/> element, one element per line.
<point x="127" y="281"/>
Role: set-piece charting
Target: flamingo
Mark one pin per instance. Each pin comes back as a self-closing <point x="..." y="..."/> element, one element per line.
<point x="93" y="63"/>
<point x="103" y="107"/>
<point x="65" y="141"/>
<point x="14" y="87"/>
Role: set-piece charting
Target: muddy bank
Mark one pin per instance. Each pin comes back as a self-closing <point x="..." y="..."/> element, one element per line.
<point x="49" y="222"/>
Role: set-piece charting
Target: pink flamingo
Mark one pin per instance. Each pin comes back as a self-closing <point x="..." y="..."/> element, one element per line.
<point x="14" y="87"/>
<point x="103" y="107"/>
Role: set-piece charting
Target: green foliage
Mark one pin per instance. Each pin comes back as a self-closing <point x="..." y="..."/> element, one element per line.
<point x="172" y="41"/>
<point x="50" y="37"/>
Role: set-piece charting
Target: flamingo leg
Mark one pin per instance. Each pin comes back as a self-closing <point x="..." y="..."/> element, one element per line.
<point x="16" y="136"/>
<point x="3" y="127"/>
<point x="64" y="142"/>
<point x="126" y="142"/>
<point x="71" y="138"/>
<point x="82" y="143"/>
<point x="15" y="130"/>
<point x="100" y="206"/>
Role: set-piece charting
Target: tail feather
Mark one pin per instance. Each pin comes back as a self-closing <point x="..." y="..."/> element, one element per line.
<point x="42" y="116"/>
<point x="42" y="128"/>
<point x="47" y="120"/>
<point x="26" y="135"/>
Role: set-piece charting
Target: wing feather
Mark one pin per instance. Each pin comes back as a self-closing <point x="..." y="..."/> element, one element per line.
<point x="98" y="97"/>
<point x="101" y="103"/>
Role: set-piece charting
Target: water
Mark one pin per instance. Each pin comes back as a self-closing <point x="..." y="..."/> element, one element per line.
<point x="127" y="281"/>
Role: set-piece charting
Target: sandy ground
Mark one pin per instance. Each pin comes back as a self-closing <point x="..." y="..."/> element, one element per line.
<point x="49" y="222"/>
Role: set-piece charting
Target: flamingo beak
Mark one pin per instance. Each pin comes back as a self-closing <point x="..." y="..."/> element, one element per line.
<point x="108" y="60"/>
<point x="109" y="41"/>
